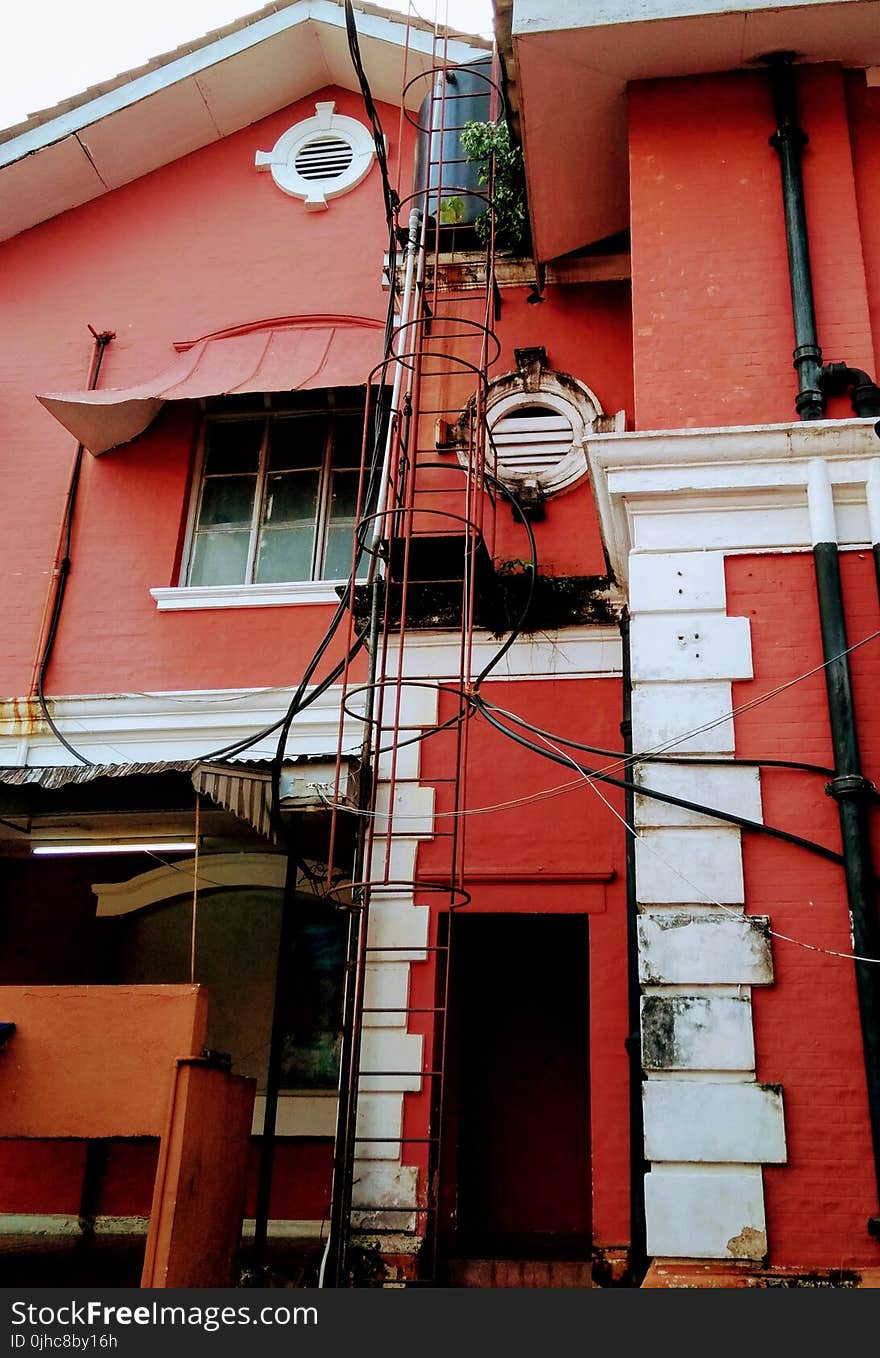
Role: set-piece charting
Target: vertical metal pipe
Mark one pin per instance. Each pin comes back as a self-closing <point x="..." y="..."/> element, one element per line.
<point x="850" y="790"/>
<point x="788" y="141"/>
<point x="273" y="1072"/>
<point x="637" y="1163"/>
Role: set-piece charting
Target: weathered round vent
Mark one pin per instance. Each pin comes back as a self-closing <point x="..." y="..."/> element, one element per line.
<point x="530" y="439"/>
<point x="326" y="157"/>
<point x="321" y="157"/>
<point x="538" y="420"/>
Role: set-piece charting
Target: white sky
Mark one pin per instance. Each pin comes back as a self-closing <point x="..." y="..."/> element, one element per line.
<point x="52" y="49"/>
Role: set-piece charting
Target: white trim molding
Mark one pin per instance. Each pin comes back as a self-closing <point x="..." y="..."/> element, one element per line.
<point x="673" y="504"/>
<point x="739" y="489"/>
<point x="179" y="598"/>
<point x="121" y="728"/>
<point x="118" y="728"/>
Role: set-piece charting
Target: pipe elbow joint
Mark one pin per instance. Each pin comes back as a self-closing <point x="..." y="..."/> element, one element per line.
<point x="837" y="378"/>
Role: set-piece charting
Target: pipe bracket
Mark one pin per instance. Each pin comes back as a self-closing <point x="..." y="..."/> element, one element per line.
<point x="849" y="785"/>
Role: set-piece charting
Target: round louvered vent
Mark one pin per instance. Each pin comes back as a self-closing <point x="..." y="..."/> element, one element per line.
<point x="325" y="157"/>
<point x="530" y="439"/>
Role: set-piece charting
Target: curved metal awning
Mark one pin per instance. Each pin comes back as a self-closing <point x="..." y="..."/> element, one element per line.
<point x="287" y="354"/>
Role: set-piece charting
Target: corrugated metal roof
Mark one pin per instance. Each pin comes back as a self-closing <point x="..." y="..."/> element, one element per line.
<point x="245" y="790"/>
<point x="291" y="354"/>
<point x="247" y="794"/>
<point x="64" y="775"/>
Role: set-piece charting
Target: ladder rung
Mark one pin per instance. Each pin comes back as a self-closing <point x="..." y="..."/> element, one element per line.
<point x="413" y="947"/>
<point x="436" y="1010"/>
<point x="397" y="1139"/>
<point x="411" y="1074"/>
<point x="383" y="1207"/>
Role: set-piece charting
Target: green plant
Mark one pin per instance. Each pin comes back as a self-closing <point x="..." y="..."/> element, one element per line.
<point x="451" y="211"/>
<point x="484" y="143"/>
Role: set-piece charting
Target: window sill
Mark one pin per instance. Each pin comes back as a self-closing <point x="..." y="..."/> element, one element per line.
<point x="176" y="598"/>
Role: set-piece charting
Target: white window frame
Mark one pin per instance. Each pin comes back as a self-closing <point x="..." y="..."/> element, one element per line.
<point x="314" y="588"/>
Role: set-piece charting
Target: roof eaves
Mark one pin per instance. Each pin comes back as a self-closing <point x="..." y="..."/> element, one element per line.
<point x="98" y="101"/>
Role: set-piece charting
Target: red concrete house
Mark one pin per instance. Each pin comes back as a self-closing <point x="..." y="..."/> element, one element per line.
<point x="607" y="519"/>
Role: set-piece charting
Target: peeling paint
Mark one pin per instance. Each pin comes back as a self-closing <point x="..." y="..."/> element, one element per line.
<point x="749" y="1244"/>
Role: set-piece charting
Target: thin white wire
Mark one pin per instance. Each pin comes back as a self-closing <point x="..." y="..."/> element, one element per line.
<point x="620" y="763"/>
<point x="710" y="900"/>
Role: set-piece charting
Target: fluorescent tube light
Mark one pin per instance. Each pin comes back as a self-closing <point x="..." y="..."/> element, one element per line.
<point x="59" y="848"/>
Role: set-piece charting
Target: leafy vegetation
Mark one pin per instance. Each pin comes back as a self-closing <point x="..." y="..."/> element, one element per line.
<point x="483" y="142"/>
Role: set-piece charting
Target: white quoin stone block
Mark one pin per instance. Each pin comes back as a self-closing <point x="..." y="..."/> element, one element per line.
<point x="395" y="1056"/>
<point x="690" y="648"/>
<point x="379" y="1115"/>
<point x="393" y="860"/>
<point x="664" y="714"/>
<point x="699" y="1121"/>
<point x="396" y="924"/>
<point x="736" y="790"/>
<point x="412" y="812"/>
<point x="689" y="867"/>
<point x="674" y="582"/>
<point x="697" y="1032"/>
<point x="677" y="948"/>
<point x="378" y="1187"/>
<point x="386" y="989"/>
<point x="705" y="1213"/>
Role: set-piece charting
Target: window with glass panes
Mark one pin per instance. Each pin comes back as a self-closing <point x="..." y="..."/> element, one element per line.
<point x="277" y="495"/>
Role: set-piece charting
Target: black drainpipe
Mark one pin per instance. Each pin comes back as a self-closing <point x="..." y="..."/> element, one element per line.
<point x="637" y="1164"/>
<point x="848" y="787"/>
<point x="788" y="141"/>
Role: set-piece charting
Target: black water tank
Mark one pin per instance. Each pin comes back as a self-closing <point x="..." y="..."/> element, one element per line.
<point x="460" y="95"/>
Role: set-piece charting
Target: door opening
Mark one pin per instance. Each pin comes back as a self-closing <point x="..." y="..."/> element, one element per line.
<point x="516" y="1131"/>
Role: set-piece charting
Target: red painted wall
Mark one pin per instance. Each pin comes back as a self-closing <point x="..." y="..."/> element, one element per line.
<point x="807" y="1030"/>
<point x="711" y="310"/>
<point x="572" y="833"/>
<point x="200" y="244"/>
<point x="864" y="113"/>
<point x="39" y="1175"/>
<point x="587" y="333"/>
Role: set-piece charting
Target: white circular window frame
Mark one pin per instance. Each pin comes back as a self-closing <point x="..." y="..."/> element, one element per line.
<point x="556" y="391"/>
<point x="281" y="160"/>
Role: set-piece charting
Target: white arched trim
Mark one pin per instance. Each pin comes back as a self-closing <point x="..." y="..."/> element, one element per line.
<point x="214" y="870"/>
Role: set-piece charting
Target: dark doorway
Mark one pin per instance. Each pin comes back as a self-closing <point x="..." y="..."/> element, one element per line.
<point x="516" y="1129"/>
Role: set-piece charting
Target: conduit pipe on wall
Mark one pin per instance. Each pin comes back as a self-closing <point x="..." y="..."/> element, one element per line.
<point x="848" y="786"/>
<point x="638" y="1164"/>
<point x="62" y="557"/>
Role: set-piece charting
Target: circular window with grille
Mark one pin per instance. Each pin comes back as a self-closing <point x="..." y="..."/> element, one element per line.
<point x="536" y="426"/>
<point x="326" y="156"/>
<point x="321" y="157"/>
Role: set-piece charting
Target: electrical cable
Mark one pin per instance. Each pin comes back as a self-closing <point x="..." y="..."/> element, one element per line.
<point x="710" y="900"/>
<point x="626" y="760"/>
<point x="299" y="701"/>
<point x="102" y="339"/>
<point x="744" y="822"/>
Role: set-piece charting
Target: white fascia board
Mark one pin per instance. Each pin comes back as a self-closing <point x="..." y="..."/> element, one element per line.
<point x="325" y="12"/>
<point x="184" y="724"/>
<point x="549" y="16"/>
<point x="743" y="444"/>
<point x="681" y="472"/>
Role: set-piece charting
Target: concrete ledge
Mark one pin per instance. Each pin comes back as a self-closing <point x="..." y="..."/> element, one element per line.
<point x="689" y="1273"/>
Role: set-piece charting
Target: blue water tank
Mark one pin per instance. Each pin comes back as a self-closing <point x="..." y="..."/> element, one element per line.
<point x="460" y="95"/>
